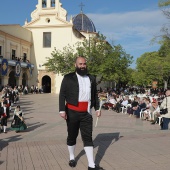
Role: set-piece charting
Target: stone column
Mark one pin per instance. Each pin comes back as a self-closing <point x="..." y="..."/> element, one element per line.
<point x="4" y="80"/>
<point x="19" y="81"/>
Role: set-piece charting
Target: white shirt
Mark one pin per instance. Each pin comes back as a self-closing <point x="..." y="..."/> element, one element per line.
<point x="84" y="90"/>
<point x="125" y="102"/>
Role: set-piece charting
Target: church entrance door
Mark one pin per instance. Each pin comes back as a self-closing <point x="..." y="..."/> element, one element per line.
<point x="46" y="84"/>
<point x="12" y="79"/>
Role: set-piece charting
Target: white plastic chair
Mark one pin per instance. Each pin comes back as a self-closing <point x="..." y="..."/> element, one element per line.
<point x="141" y="113"/>
<point x="160" y="120"/>
<point x="124" y="108"/>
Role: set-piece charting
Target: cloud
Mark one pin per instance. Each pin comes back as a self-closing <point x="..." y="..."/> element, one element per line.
<point x="133" y="30"/>
<point x="138" y="23"/>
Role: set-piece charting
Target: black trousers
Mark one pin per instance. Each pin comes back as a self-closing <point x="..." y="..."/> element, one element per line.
<point x="82" y="121"/>
<point x="4" y="121"/>
<point x="165" y="123"/>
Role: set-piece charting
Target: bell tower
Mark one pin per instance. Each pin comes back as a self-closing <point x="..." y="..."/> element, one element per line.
<point x="48" y="3"/>
<point x="50" y="8"/>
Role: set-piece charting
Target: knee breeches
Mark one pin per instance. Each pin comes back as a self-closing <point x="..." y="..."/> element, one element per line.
<point x="82" y="121"/>
<point x="4" y="121"/>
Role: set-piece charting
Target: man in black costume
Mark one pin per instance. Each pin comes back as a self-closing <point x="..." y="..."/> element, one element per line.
<point x="79" y="92"/>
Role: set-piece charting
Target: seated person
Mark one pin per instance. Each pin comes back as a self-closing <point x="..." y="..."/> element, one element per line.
<point x="140" y="106"/>
<point x="146" y="111"/>
<point x="112" y="102"/>
<point x="134" y="105"/>
<point x="125" y="101"/>
<point x="18" y="123"/>
<point x="120" y="104"/>
<point x="155" y="109"/>
<point x="25" y="91"/>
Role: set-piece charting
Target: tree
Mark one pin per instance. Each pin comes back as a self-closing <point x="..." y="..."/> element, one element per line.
<point x="151" y="66"/>
<point x="164" y="3"/>
<point x="109" y="62"/>
<point x="155" y="65"/>
<point x="164" y="6"/>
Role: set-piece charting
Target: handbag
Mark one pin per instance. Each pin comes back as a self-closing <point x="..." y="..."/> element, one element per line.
<point x="164" y="111"/>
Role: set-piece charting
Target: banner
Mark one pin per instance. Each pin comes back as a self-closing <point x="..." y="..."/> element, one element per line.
<point x="29" y="68"/>
<point x="17" y="69"/>
<point x="4" y="67"/>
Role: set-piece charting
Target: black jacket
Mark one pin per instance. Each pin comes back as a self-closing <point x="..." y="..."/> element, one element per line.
<point x="69" y="91"/>
<point x="2" y="111"/>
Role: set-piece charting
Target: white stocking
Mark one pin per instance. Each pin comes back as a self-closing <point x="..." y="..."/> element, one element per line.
<point x="71" y="150"/>
<point x="89" y="154"/>
<point x="4" y="128"/>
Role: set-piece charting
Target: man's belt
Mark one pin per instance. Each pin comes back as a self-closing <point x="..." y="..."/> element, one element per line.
<point x="81" y="106"/>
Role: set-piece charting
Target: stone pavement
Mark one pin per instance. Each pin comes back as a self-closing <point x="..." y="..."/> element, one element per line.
<point x="120" y="142"/>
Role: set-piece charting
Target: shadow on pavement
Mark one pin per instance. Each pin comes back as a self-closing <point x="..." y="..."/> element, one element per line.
<point x="33" y="126"/>
<point x="4" y="142"/>
<point x="102" y="141"/>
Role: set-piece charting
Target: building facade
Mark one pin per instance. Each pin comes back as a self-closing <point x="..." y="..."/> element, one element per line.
<point x="28" y="46"/>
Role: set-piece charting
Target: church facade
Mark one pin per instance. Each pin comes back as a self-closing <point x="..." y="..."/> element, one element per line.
<point x="23" y="49"/>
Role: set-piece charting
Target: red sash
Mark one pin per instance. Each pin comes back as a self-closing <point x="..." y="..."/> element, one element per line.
<point x="81" y="107"/>
<point x="4" y="115"/>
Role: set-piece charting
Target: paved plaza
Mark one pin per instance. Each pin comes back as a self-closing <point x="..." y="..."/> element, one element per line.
<point x="120" y="142"/>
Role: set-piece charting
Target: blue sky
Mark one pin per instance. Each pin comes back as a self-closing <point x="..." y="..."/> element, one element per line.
<point x="130" y="23"/>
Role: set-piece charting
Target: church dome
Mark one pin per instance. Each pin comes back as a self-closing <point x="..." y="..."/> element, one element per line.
<point x="82" y="23"/>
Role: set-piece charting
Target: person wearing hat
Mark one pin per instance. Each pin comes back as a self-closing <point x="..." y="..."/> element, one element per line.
<point x="4" y="116"/>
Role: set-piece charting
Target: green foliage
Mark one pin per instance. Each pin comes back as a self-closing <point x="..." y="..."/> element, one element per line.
<point x="61" y="61"/>
<point x="164" y="3"/>
<point x="108" y="62"/>
<point x="151" y="66"/>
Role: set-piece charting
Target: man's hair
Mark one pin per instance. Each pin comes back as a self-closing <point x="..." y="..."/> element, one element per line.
<point x="78" y="57"/>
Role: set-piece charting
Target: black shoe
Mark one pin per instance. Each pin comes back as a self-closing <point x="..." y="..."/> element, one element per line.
<point x="5" y="132"/>
<point x="96" y="168"/>
<point x="153" y="123"/>
<point x="17" y="131"/>
<point x="72" y="163"/>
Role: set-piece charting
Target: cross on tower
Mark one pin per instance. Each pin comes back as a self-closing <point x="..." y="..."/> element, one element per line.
<point x="81" y="5"/>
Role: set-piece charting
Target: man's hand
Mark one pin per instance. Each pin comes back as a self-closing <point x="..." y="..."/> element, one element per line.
<point x="63" y="115"/>
<point x="98" y="113"/>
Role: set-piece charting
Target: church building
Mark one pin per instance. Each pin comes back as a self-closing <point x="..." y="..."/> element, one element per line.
<point x="24" y="49"/>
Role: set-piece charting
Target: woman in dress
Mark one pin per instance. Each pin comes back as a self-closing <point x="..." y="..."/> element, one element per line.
<point x="18" y="123"/>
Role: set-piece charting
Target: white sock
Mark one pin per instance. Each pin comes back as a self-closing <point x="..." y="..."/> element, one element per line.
<point x="4" y="128"/>
<point x="89" y="154"/>
<point x="71" y="150"/>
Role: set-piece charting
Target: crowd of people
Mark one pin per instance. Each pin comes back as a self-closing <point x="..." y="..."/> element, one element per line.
<point x="10" y="108"/>
<point x="25" y="89"/>
<point x="143" y="103"/>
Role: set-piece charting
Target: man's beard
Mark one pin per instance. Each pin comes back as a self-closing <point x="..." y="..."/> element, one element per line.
<point x="81" y="72"/>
